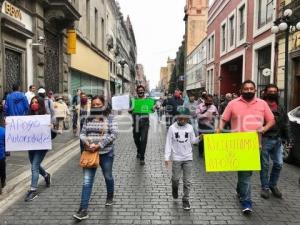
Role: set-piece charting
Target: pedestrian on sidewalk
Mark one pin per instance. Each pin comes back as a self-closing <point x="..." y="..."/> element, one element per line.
<point x="272" y="144"/>
<point x="192" y="105"/>
<point x="140" y="125"/>
<point x="16" y="103"/>
<point x="207" y="114"/>
<point x="247" y="113"/>
<point x="36" y="157"/>
<point x="99" y="132"/>
<point x="30" y="93"/>
<point x="2" y="156"/>
<point x="179" y="150"/>
<point x="61" y="112"/>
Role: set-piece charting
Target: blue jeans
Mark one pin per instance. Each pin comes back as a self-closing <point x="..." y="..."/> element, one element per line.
<point x="271" y="148"/>
<point x="36" y="157"/>
<point x="106" y="163"/>
<point x="244" y="185"/>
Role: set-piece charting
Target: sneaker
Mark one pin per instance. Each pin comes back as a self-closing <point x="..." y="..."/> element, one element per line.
<point x="186" y="205"/>
<point x="265" y="193"/>
<point x="32" y="194"/>
<point x="82" y="214"/>
<point x="246" y="207"/>
<point x="175" y="192"/>
<point x="109" y="201"/>
<point x="138" y="155"/>
<point x="142" y="162"/>
<point x="48" y="180"/>
<point x="276" y="192"/>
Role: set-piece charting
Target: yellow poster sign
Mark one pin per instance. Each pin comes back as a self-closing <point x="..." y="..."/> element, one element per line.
<point x="232" y="152"/>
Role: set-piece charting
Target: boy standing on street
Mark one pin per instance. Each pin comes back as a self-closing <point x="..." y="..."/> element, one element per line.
<point x="178" y="149"/>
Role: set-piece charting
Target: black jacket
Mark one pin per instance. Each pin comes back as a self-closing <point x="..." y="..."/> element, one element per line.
<point x="171" y="105"/>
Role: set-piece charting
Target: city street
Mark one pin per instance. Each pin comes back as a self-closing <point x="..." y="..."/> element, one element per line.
<point x="143" y="194"/>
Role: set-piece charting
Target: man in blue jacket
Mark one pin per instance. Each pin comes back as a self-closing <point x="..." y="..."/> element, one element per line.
<point x="16" y="103"/>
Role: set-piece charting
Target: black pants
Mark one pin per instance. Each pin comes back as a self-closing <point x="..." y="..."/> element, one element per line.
<point x="2" y="172"/>
<point x="140" y="135"/>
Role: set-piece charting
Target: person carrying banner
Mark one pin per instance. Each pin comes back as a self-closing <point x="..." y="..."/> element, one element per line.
<point x="247" y="113"/>
<point x="179" y="150"/>
<point x="140" y="125"/>
<point x="36" y="157"/>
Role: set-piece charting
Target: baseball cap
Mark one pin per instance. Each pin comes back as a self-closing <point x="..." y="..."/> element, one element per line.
<point x="41" y="91"/>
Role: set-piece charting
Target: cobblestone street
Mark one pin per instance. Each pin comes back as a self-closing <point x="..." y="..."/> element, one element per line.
<point x="143" y="194"/>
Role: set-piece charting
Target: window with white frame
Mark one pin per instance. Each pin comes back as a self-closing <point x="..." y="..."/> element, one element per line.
<point x="223" y="37"/>
<point x="231" y="31"/>
<point x="209" y="81"/>
<point x="211" y="47"/>
<point x="265" y="12"/>
<point x="242" y="23"/>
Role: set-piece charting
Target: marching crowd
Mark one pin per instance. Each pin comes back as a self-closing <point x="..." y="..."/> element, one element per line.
<point x="187" y="119"/>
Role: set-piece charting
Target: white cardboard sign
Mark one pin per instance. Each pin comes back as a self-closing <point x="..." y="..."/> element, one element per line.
<point x="120" y="102"/>
<point x="23" y="133"/>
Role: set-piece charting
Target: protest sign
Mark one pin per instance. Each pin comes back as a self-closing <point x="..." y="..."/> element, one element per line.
<point x="23" y="133"/>
<point x="143" y="106"/>
<point x="120" y="102"/>
<point x="232" y="152"/>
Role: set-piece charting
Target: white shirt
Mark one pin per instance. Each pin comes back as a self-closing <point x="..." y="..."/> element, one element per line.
<point x="29" y="95"/>
<point x="179" y="143"/>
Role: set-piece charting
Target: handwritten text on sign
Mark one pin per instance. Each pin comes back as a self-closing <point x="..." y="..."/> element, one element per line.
<point x="25" y="133"/>
<point x="232" y="152"/>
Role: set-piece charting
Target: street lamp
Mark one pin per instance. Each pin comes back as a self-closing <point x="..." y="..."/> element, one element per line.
<point x="122" y="63"/>
<point x="287" y="24"/>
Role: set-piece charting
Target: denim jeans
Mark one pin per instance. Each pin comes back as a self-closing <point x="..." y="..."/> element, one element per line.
<point x="106" y="164"/>
<point x="36" y="157"/>
<point x="243" y="188"/>
<point x="271" y="148"/>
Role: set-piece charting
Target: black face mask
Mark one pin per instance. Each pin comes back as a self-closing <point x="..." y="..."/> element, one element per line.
<point x="141" y="94"/>
<point x="208" y="104"/>
<point x="272" y="97"/>
<point x="248" y="96"/>
<point x="97" y="111"/>
<point x="181" y="124"/>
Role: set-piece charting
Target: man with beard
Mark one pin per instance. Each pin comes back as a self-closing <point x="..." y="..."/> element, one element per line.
<point x="247" y="113"/>
<point x="272" y="144"/>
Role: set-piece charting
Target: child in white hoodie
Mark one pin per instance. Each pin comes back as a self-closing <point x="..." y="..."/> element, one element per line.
<point x="178" y="149"/>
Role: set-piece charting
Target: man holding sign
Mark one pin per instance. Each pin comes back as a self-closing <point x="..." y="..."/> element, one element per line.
<point x="247" y="113"/>
<point x="141" y="107"/>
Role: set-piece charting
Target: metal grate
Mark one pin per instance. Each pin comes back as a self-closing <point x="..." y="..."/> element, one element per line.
<point x="12" y="68"/>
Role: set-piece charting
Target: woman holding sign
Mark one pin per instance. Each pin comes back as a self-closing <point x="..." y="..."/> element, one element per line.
<point x="98" y="133"/>
<point x="37" y="107"/>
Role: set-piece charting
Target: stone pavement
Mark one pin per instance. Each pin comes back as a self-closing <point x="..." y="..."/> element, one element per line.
<point x="143" y="194"/>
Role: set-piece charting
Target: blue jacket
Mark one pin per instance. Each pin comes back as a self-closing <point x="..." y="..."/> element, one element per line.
<point x="2" y="143"/>
<point x="16" y="104"/>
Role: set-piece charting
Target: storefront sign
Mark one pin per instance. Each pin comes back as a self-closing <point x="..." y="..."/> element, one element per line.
<point x="232" y="152"/>
<point x="17" y="14"/>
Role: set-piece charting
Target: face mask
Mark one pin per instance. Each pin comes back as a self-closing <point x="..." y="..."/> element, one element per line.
<point x="248" y="96"/>
<point x="208" y="104"/>
<point x="141" y="93"/>
<point x="34" y="107"/>
<point x="96" y="111"/>
<point x="83" y="101"/>
<point x="181" y="124"/>
<point x="272" y="97"/>
<point x="60" y="101"/>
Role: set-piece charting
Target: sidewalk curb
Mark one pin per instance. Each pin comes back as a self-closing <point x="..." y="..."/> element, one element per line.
<point x="17" y="187"/>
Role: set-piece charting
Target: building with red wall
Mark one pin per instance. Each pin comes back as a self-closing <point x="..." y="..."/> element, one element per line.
<point x="240" y="45"/>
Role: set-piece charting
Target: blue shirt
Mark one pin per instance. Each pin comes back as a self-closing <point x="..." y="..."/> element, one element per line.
<point x="2" y="143"/>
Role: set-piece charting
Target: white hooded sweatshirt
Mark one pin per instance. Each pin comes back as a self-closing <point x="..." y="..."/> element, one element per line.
<point x="179" y="143"/>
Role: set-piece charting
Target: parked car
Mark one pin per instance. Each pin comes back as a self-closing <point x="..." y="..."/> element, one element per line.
<point x="291" y="152"/>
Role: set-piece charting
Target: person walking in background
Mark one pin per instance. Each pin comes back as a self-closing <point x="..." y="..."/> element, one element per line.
<point x="99" y="132"/>
<point x="16" y="103"/>
<point x="247" y="113"/>
<point x="141" y="124"/>
<point x="158" y="108"/>
<point x="2" y="156"/>
<point x="61" y="112"/>
<point x="171" y="105"/>
<point x="192" y="105"/>
<point x="36" y="157"/>
<point x="206" y="114"/>
<point x="223" y="105"/>
<point x="30" y="93"/>
<point x="178" y="149"/>
<point x="272" y="144"/>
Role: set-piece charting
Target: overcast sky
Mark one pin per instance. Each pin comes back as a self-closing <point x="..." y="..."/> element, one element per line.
<point x="159" y="28"/>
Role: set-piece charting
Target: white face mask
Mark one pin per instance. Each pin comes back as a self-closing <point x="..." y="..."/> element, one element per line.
<point x="60" y="101"/>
